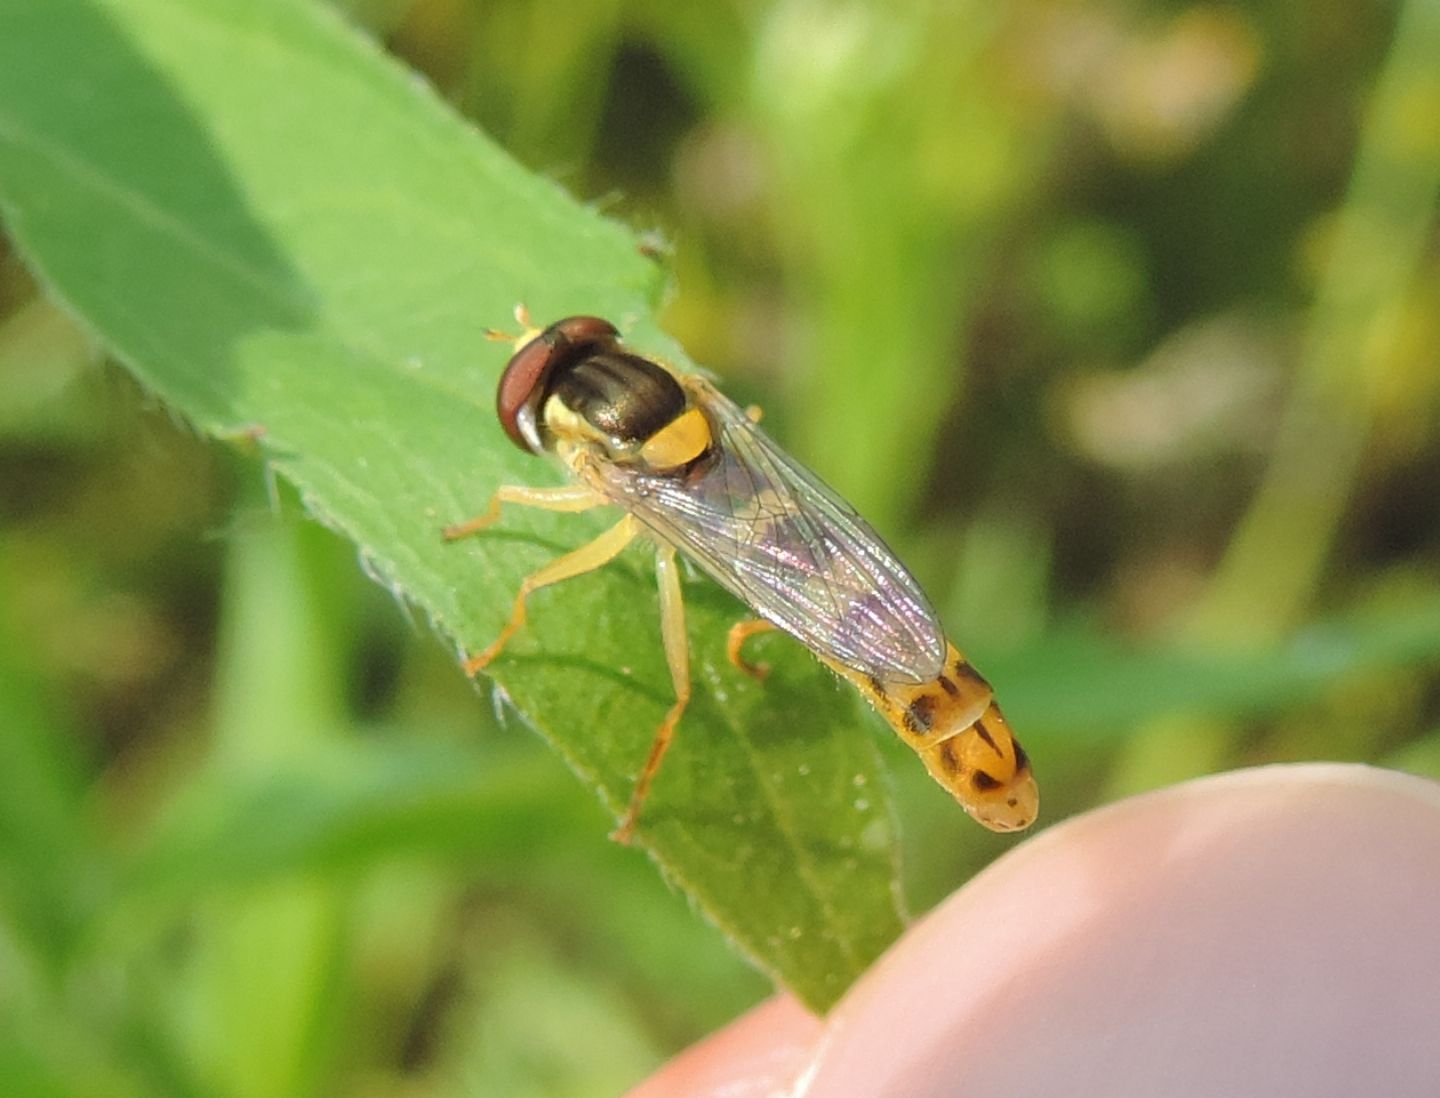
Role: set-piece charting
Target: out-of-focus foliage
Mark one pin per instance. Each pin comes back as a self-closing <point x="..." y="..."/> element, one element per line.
<point x="349" y="362"/>
<point x="1119" y="321"/>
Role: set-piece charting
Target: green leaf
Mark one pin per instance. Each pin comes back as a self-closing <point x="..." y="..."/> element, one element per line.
<point x="284" y="234"/>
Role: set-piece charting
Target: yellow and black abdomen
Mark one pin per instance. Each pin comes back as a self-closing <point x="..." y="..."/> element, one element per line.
<point x="954" y="725"/>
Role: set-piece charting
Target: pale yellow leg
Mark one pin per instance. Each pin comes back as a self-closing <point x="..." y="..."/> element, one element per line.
<point x="570" y="497"/>
<point x="247" y="436"/>
<point x="587" y="558"/>
<point x="677" y="655"/>
<point x="739" y="633"/>
<point x="527" y="330"/>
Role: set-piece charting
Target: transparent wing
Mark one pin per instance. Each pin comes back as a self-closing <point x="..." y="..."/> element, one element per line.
<point x="780" y="540"/>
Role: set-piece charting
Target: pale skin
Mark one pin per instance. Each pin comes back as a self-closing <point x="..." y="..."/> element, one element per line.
<point x="1260" y="933"/>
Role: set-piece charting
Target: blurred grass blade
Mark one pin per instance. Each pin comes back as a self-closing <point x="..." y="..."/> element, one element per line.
<point x="330" y="810"/>
<point x="1081" y="682"/>
<point x="1383" y="232"/>
<point x="53" y="871"/>
<point x="258" y="983"/>
<point x="285" y="235"/>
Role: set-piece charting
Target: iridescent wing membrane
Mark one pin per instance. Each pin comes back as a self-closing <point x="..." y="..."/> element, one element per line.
<point x="777" y="538"/>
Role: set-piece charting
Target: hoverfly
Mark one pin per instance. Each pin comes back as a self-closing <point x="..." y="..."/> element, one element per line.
<point x="694" y="472"/>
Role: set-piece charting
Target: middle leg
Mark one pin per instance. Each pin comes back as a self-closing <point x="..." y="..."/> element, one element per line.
<point x="677" y="655"/>
<point x="587" y="558"/>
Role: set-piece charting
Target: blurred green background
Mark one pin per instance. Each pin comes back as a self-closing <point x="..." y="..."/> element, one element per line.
<point x="1119" y="322"/>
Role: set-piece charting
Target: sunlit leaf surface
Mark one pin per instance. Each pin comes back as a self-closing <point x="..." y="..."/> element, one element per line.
<point x="314" y="270"/>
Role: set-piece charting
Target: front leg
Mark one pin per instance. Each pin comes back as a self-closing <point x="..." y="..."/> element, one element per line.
<point x="570" y="497"/>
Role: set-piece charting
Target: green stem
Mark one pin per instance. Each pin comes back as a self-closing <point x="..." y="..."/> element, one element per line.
<point x="1280" y="550"/>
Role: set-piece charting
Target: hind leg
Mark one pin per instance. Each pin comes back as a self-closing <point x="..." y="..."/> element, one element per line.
<point x="735" y="640"/>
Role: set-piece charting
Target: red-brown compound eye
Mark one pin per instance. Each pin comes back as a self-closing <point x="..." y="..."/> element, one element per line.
<point x="526" y="378"/>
